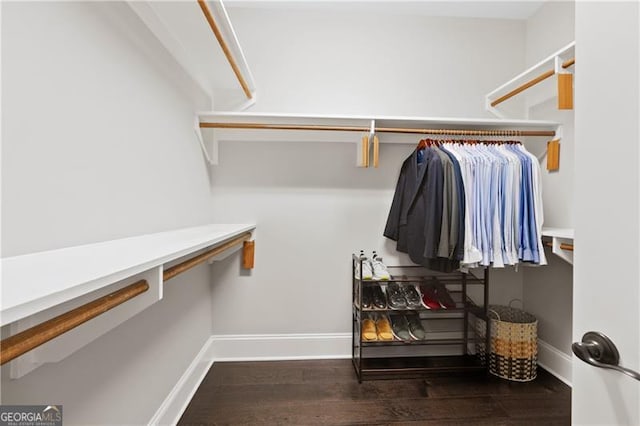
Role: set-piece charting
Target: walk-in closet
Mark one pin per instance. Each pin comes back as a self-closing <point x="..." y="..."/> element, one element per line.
<point x="320" y="212"/>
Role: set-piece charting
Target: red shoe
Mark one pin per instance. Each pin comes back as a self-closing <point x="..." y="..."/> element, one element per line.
<point x="443" y="296"/>
<point x="429" y="296"/>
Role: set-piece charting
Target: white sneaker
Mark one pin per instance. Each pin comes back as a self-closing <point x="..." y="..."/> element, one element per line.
<point x="379" y="269"/>
<point x="367" y="271"/>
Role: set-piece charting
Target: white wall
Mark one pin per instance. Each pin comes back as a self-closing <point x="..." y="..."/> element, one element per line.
<point x="312" y="206"/>
<point x="549" y="29"/>
<point x="317" y="59"/>
<point x="548" y="292"/>
<point x="98" y="144"/>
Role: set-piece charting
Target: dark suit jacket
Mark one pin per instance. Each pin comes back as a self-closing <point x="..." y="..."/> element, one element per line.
<point x="415" y="217"/>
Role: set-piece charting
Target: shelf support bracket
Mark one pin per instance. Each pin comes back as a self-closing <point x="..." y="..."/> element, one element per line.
<point x="210" y="156"/>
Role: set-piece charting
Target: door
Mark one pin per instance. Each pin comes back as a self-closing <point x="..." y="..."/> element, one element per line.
<point x="607" y="196"/>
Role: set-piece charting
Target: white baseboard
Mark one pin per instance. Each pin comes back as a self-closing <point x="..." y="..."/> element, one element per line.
<point x="554" y="361"/>
<point x="176" y="402"/>
<point x="267" y="347"/>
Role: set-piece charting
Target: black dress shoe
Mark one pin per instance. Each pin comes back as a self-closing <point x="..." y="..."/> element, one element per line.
<point x="377" y="297"/>
<point x="366" y="297"/>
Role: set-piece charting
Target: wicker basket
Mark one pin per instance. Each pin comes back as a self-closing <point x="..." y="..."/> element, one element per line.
<point x="513" y="353"/>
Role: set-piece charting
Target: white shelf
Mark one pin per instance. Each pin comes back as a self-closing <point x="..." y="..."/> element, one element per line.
<point x="558" y="232"/>
<point x="35" y="282"/>
<point x="349" y="120"/>
<point x="560" y="236"/>
<point x="381" y="121"/>
<point x="553" y="61"/>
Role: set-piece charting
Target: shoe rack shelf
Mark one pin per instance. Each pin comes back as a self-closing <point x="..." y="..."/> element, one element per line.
<point x="450" y="334"/>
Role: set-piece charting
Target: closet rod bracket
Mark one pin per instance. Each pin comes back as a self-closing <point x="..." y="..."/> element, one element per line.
<point x="552" y="151"/>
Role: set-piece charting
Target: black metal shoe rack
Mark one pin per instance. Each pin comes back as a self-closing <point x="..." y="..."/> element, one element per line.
<point x="457" y="349"/>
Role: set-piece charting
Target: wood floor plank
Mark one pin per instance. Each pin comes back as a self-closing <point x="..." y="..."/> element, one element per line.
<point x="534" y="406"/>
<point x="256" y="372"/>
<point x="460" y="385"/>
<point x="542" y="421"/>
<point x="350" y="391"/>
<point x="327" y="392"/>
<point x="345" y="412"/>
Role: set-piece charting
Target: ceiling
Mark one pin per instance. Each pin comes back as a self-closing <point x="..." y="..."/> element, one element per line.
<point x="504" y="9"/>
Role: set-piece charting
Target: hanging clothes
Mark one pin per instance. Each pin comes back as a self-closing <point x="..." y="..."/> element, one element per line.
<point x="415" y="218"/>
<point x="462" y="204"/>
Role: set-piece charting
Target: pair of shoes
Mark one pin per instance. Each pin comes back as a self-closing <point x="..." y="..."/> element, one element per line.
<point x="403" y="297"/>
<point x="407" y="326"/>
<point x="376" y="328"/>
<point x="380" y="271"/>
<point x="372" y="269"/>
<point x="373" y="297"/>
<point x="436" y="296"/>
<point x="364" y="263"/>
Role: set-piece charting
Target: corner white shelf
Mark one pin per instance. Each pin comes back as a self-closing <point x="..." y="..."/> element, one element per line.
<point x="39" y="286"/>
<point x="558" y="237"/>
<point x="35" y="282"/>
<point x="554" y="60"/>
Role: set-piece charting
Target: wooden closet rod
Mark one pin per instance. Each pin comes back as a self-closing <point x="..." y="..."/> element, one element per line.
<point x="29" y="339"/>
<point x="18" y="344"/>
<point x="190" y="263"/>
<point x="563" y="246"/>
<point x="532" y="82"/>
<point x="454" y="132"/>
<point x="225" y="48"/>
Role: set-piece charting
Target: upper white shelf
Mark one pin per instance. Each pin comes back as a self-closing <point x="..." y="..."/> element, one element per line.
<point x="381" y="120"/>
<point x="34" y="282"/>
<point x="355" y="121"/>
<point x="557" y="62"/>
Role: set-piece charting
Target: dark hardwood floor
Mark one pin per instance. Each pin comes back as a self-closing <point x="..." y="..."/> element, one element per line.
<point x="326" y="392"/>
